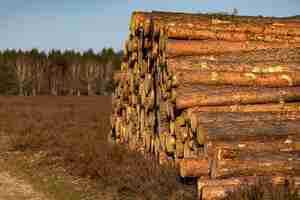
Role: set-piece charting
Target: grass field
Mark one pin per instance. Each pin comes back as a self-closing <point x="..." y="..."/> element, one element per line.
<point x="60" y="145"/>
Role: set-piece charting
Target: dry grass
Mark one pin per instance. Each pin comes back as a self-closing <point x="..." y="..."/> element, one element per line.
<point x="265" y="191"/>
<point x="70" y="132"/>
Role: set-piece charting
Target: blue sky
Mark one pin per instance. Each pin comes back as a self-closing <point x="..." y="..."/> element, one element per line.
<point x="84" y="24"/>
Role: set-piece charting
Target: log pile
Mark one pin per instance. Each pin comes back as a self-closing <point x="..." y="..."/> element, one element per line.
<point x="217" y="96"/>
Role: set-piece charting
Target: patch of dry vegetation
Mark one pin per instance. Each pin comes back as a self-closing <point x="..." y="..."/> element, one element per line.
<point x="263" y="191"/>
<point x="70" y="132"/>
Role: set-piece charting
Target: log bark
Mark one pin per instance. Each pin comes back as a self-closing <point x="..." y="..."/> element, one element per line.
<point x="249" y="131"/>
<point x="195" y="47"/>
<point x="228" y="163"/>
<point x="278" y="79"/>
<point x="194" y="167"/>
<point x="198" y="96"/>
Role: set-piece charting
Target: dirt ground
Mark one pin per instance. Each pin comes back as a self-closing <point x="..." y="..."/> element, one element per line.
<point x="11" y="186"/>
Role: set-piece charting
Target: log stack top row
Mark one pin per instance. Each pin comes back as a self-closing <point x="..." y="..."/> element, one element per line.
<point x="218" y="96"/>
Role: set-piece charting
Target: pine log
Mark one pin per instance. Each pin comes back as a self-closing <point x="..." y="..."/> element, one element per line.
<point x="194" y="167"/>
<point x="179" y="153"/>
<point x="194" y="47"/>
<point x="211" y="189"/>
<point x="269" y="60"/>
<point x="232" y="29"/>
<point x="199" y="118"/>
<point x="271" y="107"/>
<point x="228" y="163"/>
<point x="197" y="96"/>
<point x="210" y="33"/>
<point x="119" y="76"/>
<point x="249" y="131"/>
<point x="278" y="79"/>
<point x="288" y="144"/>
<point x="189" y="152"/>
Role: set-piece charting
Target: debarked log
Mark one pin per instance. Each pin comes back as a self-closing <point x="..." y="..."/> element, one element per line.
<point x="187" y="32"/>
<point x="228" y="163"/>
<point x="261" y="67"/>
<point x="199" y="118"/>
<point x="197" y="47"/>
<point x="190" y="97"/>
<point x="219" y="22"/>
<point x="269" y="107"/>
<point x="278" y="79"/>
<point x="212" y="189"/>
<point x="288" y="130"/>
<point x="119" y="76"/>
<point x="287" y="144"/>
<point x="194" y="167"/>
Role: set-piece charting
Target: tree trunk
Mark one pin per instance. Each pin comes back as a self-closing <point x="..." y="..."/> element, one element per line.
<point x="89" y="88"/>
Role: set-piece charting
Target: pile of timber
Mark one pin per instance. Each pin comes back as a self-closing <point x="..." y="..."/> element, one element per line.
<point x="218" y="96"/>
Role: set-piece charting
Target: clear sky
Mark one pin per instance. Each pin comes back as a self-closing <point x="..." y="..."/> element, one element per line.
<point x="84" y="24"/>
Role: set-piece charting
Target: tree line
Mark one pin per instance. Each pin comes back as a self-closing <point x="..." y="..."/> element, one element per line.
<point x="34" y="72"/>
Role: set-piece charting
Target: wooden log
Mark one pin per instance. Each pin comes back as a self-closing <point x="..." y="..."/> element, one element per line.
<point x="249" y="131"/>
<point x="278" y="145"/>
<point x="219" y="189"/>
<point x="212" y="28"/>
<point x="199" y="118"/>
<point x="194" y="167"/>
<point x="185" y="32"/>
<point x="270" y="107"/>
<point x="189" y="152"/>
<point x="193" y="47"/>
<point x="119" y="76"/>
<point x="170" y="144"/>
<point x="264" y="61"/>
<point x="219" y="22"/>
<point x="228" y="163"/>
<point x="209" y="33"/>
<point x="179" y="152"/>
<point x="234" y="95"/>
<point x="278" y="79"/>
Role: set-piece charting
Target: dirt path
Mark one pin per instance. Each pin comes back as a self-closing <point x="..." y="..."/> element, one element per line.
<point x="12" y="188"/>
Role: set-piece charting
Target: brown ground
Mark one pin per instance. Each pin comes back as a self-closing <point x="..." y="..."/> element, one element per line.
<point x="56" y="148"/>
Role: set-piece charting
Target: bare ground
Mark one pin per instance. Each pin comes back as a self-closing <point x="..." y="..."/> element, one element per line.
<point x="11" y="186"/>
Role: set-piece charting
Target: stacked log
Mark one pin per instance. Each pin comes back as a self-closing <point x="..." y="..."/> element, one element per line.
<point x="217" y="96"/>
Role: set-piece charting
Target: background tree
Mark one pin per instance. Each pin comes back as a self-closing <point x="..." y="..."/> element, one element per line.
<point x="58" y="72"/>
